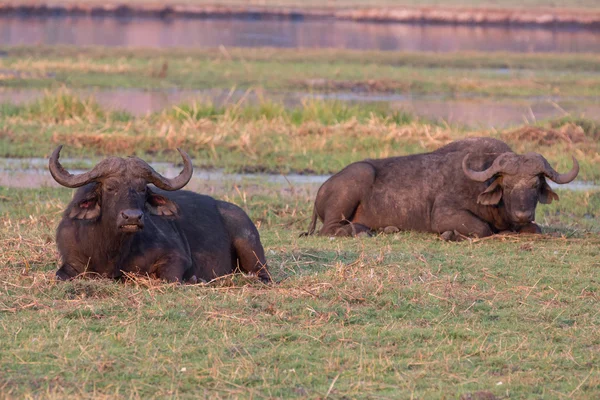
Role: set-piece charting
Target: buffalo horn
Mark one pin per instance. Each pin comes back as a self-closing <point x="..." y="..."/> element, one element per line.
<point x="62" y="176"/>
<point x="173" y="183"/>
<point x="480" y="176"/>
<point x="562" y="178"/>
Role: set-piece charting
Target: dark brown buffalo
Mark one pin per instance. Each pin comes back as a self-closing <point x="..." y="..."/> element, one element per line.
<point x="471" y="187"/>
<point x="117" y="223"/>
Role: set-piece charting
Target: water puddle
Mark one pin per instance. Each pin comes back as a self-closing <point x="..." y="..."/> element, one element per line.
<point x="210" y="33"/>
<point x="473" y="112"/>
<point x="33" y="173"/>
<point x="575" y="186"/>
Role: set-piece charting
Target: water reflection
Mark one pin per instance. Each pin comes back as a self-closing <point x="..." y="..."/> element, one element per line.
<point x="202" y="33"/>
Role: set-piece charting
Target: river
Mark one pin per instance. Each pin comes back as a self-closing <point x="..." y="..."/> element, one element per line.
<point x="208" y="33"/>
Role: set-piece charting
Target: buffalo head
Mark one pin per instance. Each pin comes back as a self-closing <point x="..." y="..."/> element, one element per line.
<point x="119" y="192"/>
<point x="519" y="182"/>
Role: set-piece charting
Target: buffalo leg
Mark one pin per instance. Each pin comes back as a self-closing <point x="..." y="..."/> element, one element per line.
<point x="172" y="268"/>
<point x="245" y="240"/>
<point x="530" y="228"/>
<point x="66" y="273"/>
<point x="351" y="229"/>
<point x="251" y="256"/>
<point x="462" y="221"/>
<point x="338" y="200"/>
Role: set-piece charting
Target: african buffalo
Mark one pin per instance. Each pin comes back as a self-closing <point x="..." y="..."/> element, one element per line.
<point x="471" y="187"/>
<point x="116" y="223"/>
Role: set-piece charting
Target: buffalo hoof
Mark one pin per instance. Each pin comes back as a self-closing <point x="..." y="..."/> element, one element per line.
<point x="66" y="273"/>
<point x="452" y="236"/>
<point x="61" y="276"/>
<point x="193" y="280"/>
<point x="390" y="229"/>
<point x="531" y="228"/>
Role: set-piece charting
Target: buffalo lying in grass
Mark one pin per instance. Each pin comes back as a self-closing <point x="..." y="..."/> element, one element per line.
<point x="471" y="187"/>
<point x="118" y="224"/>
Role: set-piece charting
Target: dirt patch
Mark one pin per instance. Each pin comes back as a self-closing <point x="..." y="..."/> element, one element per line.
<point x="554" y="17"/>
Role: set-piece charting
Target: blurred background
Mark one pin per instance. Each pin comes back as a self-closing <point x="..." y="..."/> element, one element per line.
<point x="470" y="63"/>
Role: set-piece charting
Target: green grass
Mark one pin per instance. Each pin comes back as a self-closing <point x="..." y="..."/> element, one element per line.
<point x="393" y="316"/>
<point x="455" y="74"/>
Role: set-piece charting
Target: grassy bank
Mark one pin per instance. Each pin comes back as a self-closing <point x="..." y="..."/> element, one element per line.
<point x="455" y="74"/>
<point x="402" y="315"/>
<point x="317" y="137"/>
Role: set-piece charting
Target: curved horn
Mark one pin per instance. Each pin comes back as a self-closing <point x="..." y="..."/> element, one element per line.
<point x="562" y="178"/>
<point x="480" y="176"/>
<point x="62" y="176"/>
<point x="173" y="183"/>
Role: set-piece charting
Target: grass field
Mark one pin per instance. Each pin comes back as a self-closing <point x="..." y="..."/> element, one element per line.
<point x="453" y="74"/>
<point x="393" y="316"/>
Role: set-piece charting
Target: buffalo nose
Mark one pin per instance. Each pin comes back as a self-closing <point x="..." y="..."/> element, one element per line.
<point x="524" y="215"/>
<point x="132" y="216"/>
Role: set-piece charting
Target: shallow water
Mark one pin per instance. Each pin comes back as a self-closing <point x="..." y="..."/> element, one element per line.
<point x="474" y="112"/>
<point x="204" y="33"/>
<point x="33" y="173"/>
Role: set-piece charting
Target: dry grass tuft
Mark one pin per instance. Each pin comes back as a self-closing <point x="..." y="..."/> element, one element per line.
<point x="568" y="134"/>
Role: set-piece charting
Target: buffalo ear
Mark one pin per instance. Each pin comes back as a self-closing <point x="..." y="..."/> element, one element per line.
<point x="492" y="195"/>
<point x="87" y="208"/>
<point x="546" y="193"/>
<point x="160" y="205"/>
